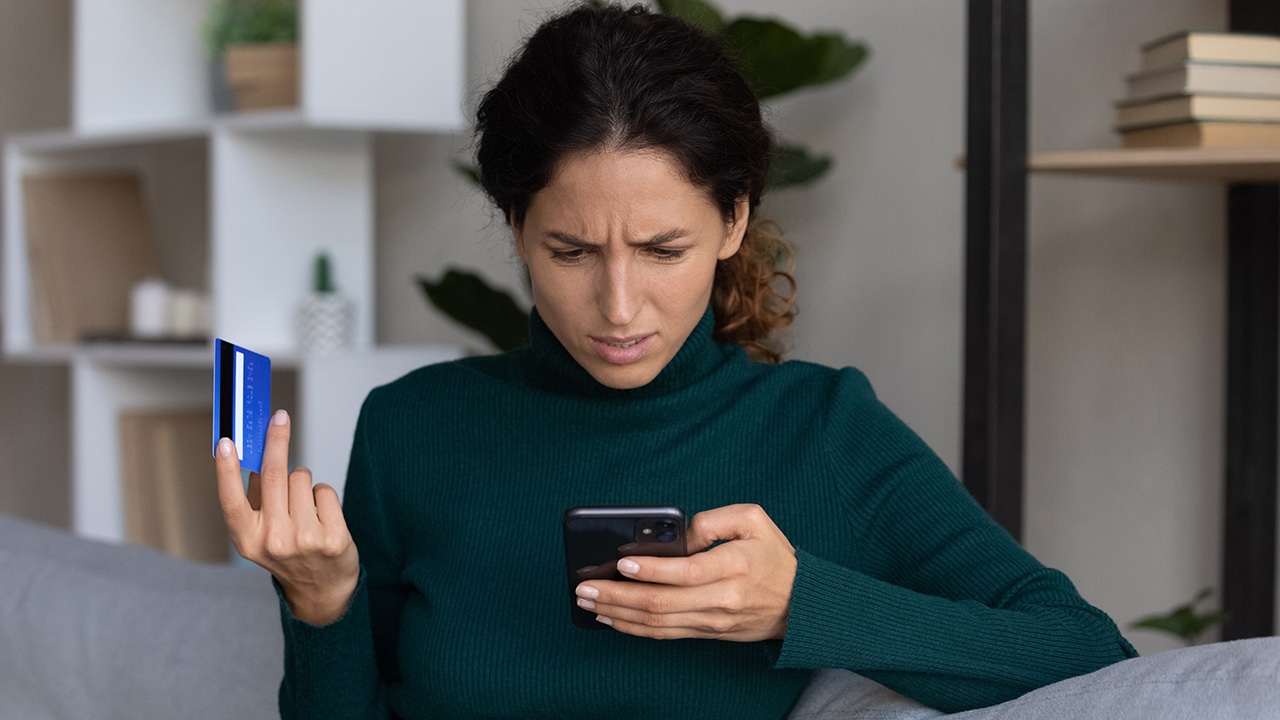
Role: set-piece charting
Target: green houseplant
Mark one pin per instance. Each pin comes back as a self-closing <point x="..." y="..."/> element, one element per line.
<point x="775" y="59"/>
<point x="255" y="44"/>
<point x="1184" y="621"/>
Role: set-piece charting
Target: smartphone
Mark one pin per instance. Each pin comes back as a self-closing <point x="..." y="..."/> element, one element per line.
<point x="595" y="537"/>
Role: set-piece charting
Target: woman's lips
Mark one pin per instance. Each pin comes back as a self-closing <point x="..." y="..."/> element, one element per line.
<point x="623" y="351"/>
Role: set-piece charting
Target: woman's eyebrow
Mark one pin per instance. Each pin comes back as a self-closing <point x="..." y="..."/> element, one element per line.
<point x="659" y="239"/>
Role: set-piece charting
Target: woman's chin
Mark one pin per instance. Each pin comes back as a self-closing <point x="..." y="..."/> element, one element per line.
<point x="624" y="377"/>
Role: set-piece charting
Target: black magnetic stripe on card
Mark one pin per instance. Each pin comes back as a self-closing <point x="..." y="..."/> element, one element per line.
<point x="227" y="393"/>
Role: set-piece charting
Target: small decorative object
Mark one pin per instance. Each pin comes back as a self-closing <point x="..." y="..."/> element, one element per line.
<point x="257" y="43"/>
<point x="326" y="321"/>
<point x="148" y="309"/>
<point x="188" y="314"/>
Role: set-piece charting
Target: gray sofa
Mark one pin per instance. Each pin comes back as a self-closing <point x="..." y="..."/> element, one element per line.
<point x="92" y="630"/>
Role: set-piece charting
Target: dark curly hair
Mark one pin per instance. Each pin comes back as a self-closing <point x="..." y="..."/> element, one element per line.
<point x="630" y="79"/>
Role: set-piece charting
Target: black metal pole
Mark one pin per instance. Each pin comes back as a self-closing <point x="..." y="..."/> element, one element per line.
<point x="1253" y="331"/>
<point x="995" y="265"/>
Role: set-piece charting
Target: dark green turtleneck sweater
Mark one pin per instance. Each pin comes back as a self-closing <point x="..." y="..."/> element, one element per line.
<point x="458" y="478"/>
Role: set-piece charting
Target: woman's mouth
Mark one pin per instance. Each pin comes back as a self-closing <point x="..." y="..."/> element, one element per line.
<point x="624" y="350"/>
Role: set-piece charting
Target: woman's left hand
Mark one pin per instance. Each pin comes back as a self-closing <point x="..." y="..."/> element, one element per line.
<point x="739" y="590"/>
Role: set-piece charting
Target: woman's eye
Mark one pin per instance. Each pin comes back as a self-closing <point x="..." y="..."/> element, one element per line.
<point x="573" y="255"/>
<point x="663" y="253"/>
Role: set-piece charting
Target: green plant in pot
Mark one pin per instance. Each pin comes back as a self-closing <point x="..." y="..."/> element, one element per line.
<point x="775" y="58"/>
<point x="255" y="42"/>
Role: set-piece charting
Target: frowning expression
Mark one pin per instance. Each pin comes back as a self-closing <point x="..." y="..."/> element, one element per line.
<point x="622" y="250"/>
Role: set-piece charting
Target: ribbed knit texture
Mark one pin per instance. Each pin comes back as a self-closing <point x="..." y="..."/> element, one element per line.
<point x="458" y="478"/>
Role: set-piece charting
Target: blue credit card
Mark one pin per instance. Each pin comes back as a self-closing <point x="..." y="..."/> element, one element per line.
<point x="241" y="401"/>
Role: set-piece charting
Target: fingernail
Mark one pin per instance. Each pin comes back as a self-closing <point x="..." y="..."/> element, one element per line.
<point x="224" y="447"/>
<point x="586" y="604"/>
<point x="588" y="592"/>
<point x="628" y="567"/>
<point x="280" y="418"/>
<point x="605" y="620"/>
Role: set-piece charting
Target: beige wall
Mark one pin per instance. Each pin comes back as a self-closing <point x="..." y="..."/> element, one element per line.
<point x="1125" y="278"/>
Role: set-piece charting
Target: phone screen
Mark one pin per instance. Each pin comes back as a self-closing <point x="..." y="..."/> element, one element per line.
<point x="596" y="537"/>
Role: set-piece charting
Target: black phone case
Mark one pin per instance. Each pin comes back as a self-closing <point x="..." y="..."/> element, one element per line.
<point x="595" y="538"/>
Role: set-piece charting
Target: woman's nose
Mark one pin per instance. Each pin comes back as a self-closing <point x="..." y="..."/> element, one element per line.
<point x="619" y="292"/>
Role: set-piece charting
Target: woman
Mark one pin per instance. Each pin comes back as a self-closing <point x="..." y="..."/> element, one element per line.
<point x="628" y="157"/>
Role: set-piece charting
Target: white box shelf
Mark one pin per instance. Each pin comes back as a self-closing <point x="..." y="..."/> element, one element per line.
<point x="369" y="65"/>
<point x="239" y="205"/>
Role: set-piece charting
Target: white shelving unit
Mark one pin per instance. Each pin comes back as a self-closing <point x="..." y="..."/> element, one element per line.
<point x="240" y="206"/>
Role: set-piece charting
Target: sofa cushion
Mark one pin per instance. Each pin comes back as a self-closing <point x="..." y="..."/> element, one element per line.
<point x="1239" y="679"/>
<point x="92" y="629"/>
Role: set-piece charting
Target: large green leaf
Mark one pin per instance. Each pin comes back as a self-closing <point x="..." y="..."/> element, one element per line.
<point x="838" y="57"/>
<point x="695" y="12"/>
<point x="792" y="165"/>
<point x="1183" y="620"/>
<point x="776" y="59"/>
<point x="467" y="299"/>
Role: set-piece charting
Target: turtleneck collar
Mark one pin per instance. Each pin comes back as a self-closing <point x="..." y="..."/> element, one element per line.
<point x="551" y="367"/>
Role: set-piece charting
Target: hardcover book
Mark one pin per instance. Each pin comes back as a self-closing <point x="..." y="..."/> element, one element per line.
<point x="1219" y="47"/>
<point x="1193" y="77"/>
<point x="1185" y="108"/>
<point x="1204" y="134"/>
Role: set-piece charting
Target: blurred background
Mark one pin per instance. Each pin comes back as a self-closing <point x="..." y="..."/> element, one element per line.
<point x="1125" y="284"/>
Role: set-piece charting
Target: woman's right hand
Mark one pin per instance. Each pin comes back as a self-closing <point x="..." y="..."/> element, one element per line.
<point x="293" y="530"/>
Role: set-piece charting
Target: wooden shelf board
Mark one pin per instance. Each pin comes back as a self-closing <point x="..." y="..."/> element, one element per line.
<point x="1201" y="164"/>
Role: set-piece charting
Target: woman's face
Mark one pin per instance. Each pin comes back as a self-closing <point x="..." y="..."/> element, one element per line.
<point x="622" y="251"/>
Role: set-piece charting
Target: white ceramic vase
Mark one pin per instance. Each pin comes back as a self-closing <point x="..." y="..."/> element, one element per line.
<point x="326" y="323"/>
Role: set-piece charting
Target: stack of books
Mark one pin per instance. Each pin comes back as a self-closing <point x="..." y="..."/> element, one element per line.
<point x="1204" y="89"/>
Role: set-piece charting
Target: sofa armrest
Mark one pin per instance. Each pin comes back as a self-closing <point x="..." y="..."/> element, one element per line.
<point x="92" y="629"/>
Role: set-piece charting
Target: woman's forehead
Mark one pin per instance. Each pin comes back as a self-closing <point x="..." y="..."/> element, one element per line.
<point x="637" y="182"/>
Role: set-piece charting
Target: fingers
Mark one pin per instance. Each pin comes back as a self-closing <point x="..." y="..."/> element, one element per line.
<point x="740" y="589"/>
<point x="660" y="611"/>
<point x="328" y="506"/>
<point x="235" y="506"/>
<point x="731" y="522"/>
<point x="274" y="477"/>
<point x="302" y="501"/>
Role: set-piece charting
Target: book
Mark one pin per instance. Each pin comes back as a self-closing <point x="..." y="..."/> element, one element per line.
<point x="1184" y="108"/>
<point x="1192" y="77"/>
<point x="1204" y="134"/>
<point x="1220" y="47"/>
<point x="170" y="488"/>
<point x="88" y="241"/>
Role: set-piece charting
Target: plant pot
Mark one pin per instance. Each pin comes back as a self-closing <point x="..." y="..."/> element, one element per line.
<point x="263" y="76"/>
<point x="326" y="323"/>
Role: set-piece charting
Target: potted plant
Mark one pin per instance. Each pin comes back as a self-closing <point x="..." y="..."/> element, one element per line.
<point x="255" y="42"/>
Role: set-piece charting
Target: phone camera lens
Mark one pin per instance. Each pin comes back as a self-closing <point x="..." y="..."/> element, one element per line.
<point x="667" y="537"/>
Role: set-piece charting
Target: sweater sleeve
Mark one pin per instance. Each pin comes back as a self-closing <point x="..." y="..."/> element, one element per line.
<point x="939" y="603"/>
<point x="343" y="670"/>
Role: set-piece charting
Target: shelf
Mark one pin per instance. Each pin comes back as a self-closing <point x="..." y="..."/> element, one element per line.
<point x="195" y="128"/>
<point x="1243" y="164"/>
<point x="143" y="63"/>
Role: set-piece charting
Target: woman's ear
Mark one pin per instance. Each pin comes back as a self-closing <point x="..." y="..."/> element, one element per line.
<point x="518" y="236"/>
<point x="737" y="230"/>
